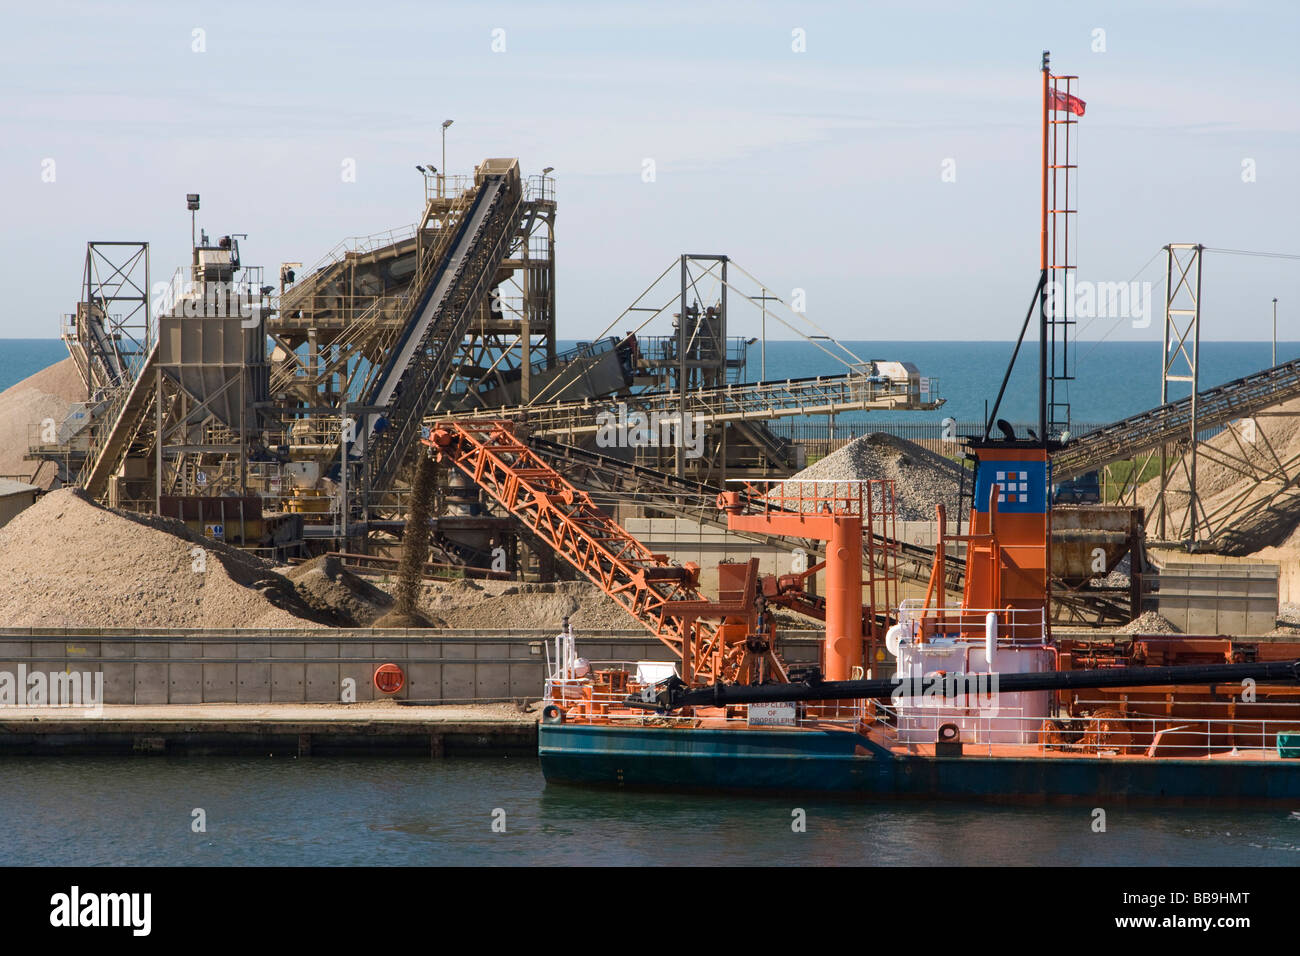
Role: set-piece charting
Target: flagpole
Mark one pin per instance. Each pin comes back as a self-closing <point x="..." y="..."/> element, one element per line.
<point x="1042" y="265"/>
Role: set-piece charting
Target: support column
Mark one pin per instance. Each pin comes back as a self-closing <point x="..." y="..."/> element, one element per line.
<point x="843" y="647"/>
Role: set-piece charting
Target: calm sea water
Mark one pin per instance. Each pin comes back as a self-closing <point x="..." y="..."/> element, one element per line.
<point x="1114" y="379"/>
<point x="336" y="811"/>
<point x="20" y="358"/>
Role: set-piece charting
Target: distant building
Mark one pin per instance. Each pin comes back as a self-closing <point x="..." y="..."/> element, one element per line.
<point x="14" y="497"/>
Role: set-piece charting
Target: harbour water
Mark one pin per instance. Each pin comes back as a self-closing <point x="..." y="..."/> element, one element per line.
<point x="342" y="811"/>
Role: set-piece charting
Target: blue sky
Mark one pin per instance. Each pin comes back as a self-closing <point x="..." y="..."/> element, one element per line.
<point x="819" y="170"/>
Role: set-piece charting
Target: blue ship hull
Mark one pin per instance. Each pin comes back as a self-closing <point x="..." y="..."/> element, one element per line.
<point x="843" y="762"/>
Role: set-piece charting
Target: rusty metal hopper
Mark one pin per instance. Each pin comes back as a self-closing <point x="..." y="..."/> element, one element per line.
<point x="1078" y="531"/>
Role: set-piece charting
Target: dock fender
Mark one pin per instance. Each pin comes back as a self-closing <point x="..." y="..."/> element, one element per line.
<point x="552" y="715"/>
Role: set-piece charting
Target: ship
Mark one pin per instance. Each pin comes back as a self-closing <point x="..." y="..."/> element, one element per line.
<point x="913" y="699"/>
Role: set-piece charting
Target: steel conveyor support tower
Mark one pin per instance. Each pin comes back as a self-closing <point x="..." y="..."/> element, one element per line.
<point x="125" y="420"/>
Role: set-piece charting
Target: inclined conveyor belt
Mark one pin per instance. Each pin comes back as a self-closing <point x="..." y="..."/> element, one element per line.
<point x="415" y="376"/>
<point x="1170" y="423"/>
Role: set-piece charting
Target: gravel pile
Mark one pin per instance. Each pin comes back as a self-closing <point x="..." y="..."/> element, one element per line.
<point x="67" y="562"/>
<point x="1118" y="577"/>
<point x="337" y="593"/>
<point x="1288" y="613"/>
<point x="922" y="479"/>
<point x="501" y="605"/>
<point x="1149" y="622"/>
<point x="47" y="394"/>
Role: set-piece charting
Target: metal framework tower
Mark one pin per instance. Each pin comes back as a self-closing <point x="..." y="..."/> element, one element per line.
<point x="701" y="342"/>
<point x="112" y="330"/>
<point x="514" y="336"/>
<point x="339" y="326"/>
<point x="1179" y="362"/>
<point x="1055" y="289"/>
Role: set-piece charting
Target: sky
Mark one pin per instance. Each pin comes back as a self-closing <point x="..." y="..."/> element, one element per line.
<point x="880" y="157"/>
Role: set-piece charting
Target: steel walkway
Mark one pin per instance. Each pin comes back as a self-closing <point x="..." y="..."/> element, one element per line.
<point x="753" y="401"/>
<point x="1167" y="424"/>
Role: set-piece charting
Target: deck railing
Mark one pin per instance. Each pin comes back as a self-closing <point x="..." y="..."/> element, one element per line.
<point x="595" y="697"/>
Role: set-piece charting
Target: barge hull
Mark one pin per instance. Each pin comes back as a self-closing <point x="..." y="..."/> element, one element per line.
<point x="847" y="763"/>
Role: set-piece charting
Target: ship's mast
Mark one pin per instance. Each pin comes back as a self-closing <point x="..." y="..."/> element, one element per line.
<point x="1042" y="265"/>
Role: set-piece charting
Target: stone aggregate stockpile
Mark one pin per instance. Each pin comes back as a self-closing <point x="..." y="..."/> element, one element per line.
<point x="922" y="479"/>
<point x="486" y="605"/>
<point x="68" y="562"/>
<point x="47" y="395"/>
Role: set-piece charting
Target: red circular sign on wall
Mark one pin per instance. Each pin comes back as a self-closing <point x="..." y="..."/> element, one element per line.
<point x="389" y="678"/>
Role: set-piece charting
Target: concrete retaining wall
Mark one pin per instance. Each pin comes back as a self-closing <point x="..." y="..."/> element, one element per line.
<point x="257" y="666"/>
<point x="1205" y="598"/>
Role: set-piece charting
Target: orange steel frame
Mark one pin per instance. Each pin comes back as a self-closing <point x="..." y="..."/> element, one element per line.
<point x="847" y="522"/>
<point x="715" y="640"/>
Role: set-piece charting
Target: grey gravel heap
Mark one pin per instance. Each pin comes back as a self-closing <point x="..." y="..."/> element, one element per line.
<point x="1149" y="623"/>
<point x="922" y="479"/>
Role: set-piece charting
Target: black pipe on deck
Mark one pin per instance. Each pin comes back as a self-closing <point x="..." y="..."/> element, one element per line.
<point x="673" y="694"/>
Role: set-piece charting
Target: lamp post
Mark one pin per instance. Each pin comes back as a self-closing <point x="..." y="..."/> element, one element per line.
<point x="442" y="190"/>
<point x="1275" y="330"/>
<point x="192" y="204"/>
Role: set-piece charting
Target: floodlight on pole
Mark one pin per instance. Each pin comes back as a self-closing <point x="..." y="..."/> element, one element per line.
<point x="442" y="177"/>
<point x="192" y="204"/>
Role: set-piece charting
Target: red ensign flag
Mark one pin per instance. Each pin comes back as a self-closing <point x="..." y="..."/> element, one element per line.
<point x="1064" y="101"/>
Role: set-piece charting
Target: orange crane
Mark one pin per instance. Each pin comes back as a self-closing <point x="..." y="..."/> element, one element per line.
<point x="731" y="640"/>
<point x="728" y="640"/>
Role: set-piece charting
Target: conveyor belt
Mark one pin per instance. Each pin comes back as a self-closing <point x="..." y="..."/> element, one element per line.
<point x="416" y="373"/>
<point x="752" y="401"/>
<point x="124" y="421"/>
<point x="1169" y="423"/>
<point x="610" y="479"/>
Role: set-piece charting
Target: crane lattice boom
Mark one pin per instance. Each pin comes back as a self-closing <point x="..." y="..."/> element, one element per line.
<point x="712" y="638"/>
